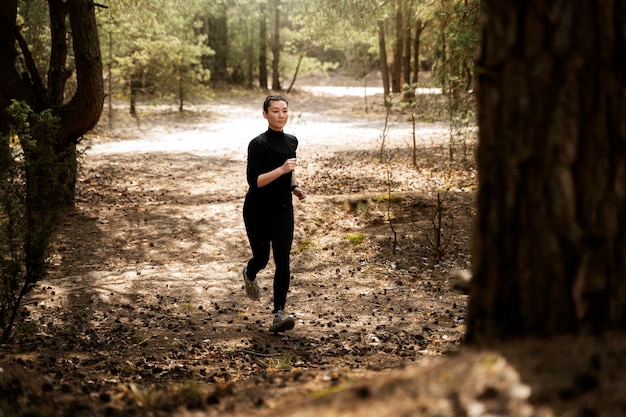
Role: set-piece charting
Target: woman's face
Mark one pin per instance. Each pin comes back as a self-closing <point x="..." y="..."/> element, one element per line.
<point x="276" y="115"/>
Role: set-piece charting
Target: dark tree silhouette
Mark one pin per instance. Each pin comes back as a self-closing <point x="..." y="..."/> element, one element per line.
<point x="550" y="246"/>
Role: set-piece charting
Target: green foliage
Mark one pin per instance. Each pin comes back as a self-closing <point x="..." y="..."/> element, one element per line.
<point x="458" y="49"/>
<point x="355" y="238"/>
<point x="283" y="362"/>
<point x="154" y="48"/>
<point x="32" y="184"/>
<point x="305" y="244"/>
<point x="388" y="198"/>
<point x="457" y="43"/>
<point x="31" y="15"/>
<point x="162" y="49"/>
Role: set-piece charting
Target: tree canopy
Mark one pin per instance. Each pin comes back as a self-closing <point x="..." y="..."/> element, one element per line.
<point x="179" y="49"/>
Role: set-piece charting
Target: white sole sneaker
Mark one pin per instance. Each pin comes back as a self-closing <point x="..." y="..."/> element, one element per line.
<point x="282" y="324"/>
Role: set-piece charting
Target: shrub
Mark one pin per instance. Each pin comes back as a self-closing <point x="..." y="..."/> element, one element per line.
<point x="31" y="197"/>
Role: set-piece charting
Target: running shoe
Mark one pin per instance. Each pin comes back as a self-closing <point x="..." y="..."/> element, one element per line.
<point x="252" y="288"/>
<point x="282" y="323"/>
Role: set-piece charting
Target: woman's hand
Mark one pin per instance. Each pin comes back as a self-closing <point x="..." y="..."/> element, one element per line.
<point x="289" y="165"/>
<point x="300" y="193"/>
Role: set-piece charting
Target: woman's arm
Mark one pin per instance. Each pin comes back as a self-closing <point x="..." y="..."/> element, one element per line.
<point x="266" y="178"/>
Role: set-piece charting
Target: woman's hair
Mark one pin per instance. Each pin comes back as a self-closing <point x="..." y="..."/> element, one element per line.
<point x="269" y="99"/>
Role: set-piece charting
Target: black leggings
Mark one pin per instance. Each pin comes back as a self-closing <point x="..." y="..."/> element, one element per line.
<point x="275" y="228"/>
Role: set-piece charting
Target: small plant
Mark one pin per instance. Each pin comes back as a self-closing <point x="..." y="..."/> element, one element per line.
<point x="187" y="306"/>
<point x="383" y="135"/>
<point x="362" y="207"/>
<point x="148" y="397"/>
<point x="439" y="239"/>
<point x="283" y="362"/>
<point x="26" y="328"/>
<point x="139" y="337"/>
<point x="390" y="198"/>
<point x="189" y="392"/>
<point x="355" y="238"/>
<point x="32" y="177"/>
<point x="304" y="245"/>
<point x="358" y="206"/>
<point x="390" y="216"/>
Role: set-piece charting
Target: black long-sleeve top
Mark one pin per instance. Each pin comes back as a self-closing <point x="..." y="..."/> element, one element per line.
<point x="267" y="152"/>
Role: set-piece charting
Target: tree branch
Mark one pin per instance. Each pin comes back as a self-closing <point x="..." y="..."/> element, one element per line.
<point x="33" y="72"/>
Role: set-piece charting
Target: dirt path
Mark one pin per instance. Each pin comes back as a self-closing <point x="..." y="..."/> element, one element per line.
<point x="145" y="287"/>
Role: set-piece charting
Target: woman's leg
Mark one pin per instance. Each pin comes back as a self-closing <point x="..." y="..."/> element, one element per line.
<point x="282" y="238"/>
<point x="259" y="237"/>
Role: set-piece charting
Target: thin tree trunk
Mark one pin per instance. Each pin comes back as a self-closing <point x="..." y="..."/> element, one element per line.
<point x="110" y="81"/>
<point x="384" y="68"/>
<point x="181" y="87"/>
<point x="57" y="72"/>
<point x="249" y="48"/>
<point x="276" y="48"/>
<point x="416" y="50"/>
<point x="134" y="92"/>
<point x="295" y="74"/>
<point x="262" y="47"/>
<point x="406" y="63"/>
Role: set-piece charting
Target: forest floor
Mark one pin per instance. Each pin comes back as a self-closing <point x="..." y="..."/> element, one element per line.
<point x="144" y="314"/>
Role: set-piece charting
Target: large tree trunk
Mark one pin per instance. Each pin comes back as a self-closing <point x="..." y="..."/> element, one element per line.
<point x="550" y="245"/>
<point x="384" y="67"/>
<point x="83" y="111"/>
<point x="398" y="49"/>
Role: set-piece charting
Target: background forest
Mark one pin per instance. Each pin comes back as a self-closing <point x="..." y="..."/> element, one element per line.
<point x="180" y="50"/>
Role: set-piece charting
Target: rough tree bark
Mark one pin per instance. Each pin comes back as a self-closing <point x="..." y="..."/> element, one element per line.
<point x="550" y="245"/>
<point x="84" y="109"/>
